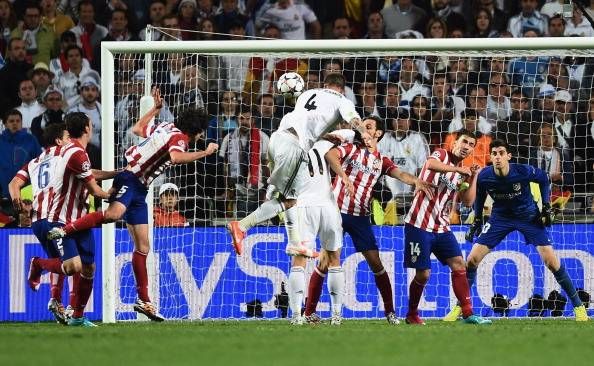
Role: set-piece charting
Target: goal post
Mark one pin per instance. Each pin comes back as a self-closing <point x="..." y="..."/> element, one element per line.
<point x="202" y="278"/>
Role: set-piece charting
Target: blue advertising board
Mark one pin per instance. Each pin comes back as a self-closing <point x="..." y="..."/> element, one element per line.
<point x="195" y="274"/>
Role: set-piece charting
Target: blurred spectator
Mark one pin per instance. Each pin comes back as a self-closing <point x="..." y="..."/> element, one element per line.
<point x="156" y="14"/>
<point x="401" y="16"/>
<point x="557" y="26"/>
<point x="30" y="107"/>
<point x="291" y="19"/>
<point x="557" y="163"/>
<point x="407" y="148"/>
<point x="229" y="14"/>
<point x="245" y="152"/>
<point x="118" y="31"/>
<point x="54" y="20"/>
<point x="341" y="28"/>
<point x="477" y="101"/>
<point x="545" y="104"/>
<point x="436" y="28"/>
<point x="69" y="82"/>
<point x="421" y="121"/>
<point x="483" y="24"/>
<point x="556" y="74"/>
<point x="444" y="105"/>
<point x="498" y="15"/>
<point x="89" y="104"/>
<point x="17" y="147"/>
<point x="498" y="105"/>
<point x="312" y="80"/>
<point x="481" y="153"/>
<point x="388" y="70"/>
<point x="517" y="130"/>
<point x="42" y="78"/>
<point x="584" y="147"/>
<point x="552" y="8"/>
<point x="375" y="26"/>
<point x="88" y="33"/>
<point x="367" y="103"/>
<point x="166" y="213"/>
<point x="266" y="119"/>
<point x="443" y="10"/>
<point x="563" y="123"/>
<point x="578" y="25"/>
<point x="187" y="19"/>
<point x="527" y="72"/>
<point x="235" y="68"/>
<point x="226" y="120"/>
<point x="206" y="10"/>
<point x="173" y="33"/>
<point x="390" y="102"/>
<point x="40" y="41"/>
<point x="528" y="19"/>
<point x="459" y="76"/>
<point x="590" y="9"/>
<point x="456" y="33"/>
<point x="8" y="22"/>
<point x="409" y="80"/>
<point x="186" y="90"/>
<point x="14" y="71"/>
<point x="26" y="214"/>
<point x="59" y="65"/>
<point x="52" y="101"/>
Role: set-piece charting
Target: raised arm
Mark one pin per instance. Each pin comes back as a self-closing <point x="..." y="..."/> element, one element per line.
<point x="139" y="128"/>
<point x="179" y="157"/>
<point x="438" y="166"/>
<point x="467" y="196"/>
<point x="102" y="174"/>
<point x="420" y="185"/>
<point x="333" y="160"/>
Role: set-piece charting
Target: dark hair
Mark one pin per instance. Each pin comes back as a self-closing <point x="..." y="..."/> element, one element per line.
<point x="85" y="2"/>
<point x="335" y="79"/>
<point x="11" y="41"/>
<point x="32" y="5"/>
<point x="557" y="16"/>
<point x="191" y="122"/>
<point x="262" y="96"/>
<point x="76" y="123"/>
<point x="245" y="108"/>
<point x="12" y="112"/>
<point x="68" y="36"/>
<point x="335" y="19"/>
<point x="162" y="2"/>
<point x="379" y="125"/>
<point x="118" y="10"/>
<point x="499" y="143"/>
<point x="469" y="113"/>
<point x="465" y="132"/>
<point x="74" y="47"/>
<point x="53" y="132"/>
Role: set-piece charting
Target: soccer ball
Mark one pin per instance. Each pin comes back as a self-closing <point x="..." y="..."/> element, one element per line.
<point x="290" y="84"/>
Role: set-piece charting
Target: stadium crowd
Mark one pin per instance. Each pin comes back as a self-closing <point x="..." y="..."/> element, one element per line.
<point x="50" y="64"/>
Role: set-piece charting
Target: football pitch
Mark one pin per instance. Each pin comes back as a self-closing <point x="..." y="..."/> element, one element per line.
<point x="506" y="342"/>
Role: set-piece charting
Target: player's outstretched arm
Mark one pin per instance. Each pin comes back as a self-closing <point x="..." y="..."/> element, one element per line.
<point x="333" y="160"/>
<point x="95" y="190"/>
<point x="179" y="157"/>
<point x="437" y="166"/>
<point x="103" y="174"/>
<point x="411" y="180"/>
<point x="14" y="189"/>
<point x="468" y="196"/>
<point x="139" y="128"/>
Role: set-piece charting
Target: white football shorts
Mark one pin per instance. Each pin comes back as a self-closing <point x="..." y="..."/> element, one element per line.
<point x="324" y="222"/>
<point x="286" y="157"/>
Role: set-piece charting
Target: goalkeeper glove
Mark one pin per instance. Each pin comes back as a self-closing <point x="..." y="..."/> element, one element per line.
<point x="547" y="215"/>
<point x="475" y="229"/>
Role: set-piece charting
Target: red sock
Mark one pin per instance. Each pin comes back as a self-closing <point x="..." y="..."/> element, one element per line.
<point x="84" y="223"/>
<point x="141" y="275"/>
<point x="314" y="291"/>
<point x="382" y="281"/>
<point x="53" y="265"/>
<point x="462" y="291"/>
<point x="72" y="294"/>
<point x="414" y="296"/>
<point x="57" y="282"/>
<point x="83" y="292"/>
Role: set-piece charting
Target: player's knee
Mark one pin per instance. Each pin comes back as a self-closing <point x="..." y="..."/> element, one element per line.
<point x="111" y="216"/>
<point x="88" y="270"/>
<point x="472" y="262"/>
<point x="422" y="275"/>
<point x="72" y="267"/>
<point x="288" y="203"/>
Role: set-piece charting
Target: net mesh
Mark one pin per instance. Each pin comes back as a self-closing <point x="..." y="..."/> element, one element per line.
<point x="519" y="96"/>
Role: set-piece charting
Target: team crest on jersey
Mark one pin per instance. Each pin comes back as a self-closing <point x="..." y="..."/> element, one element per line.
<point x="407" y="150"/>
<point x="86" y="166"/>
<point x="436" y="154"/>
<point x="517" y="186"/>
<point x="377" y="164"/>
<point x="413" y="259"/>
<point x="182" y="143"/>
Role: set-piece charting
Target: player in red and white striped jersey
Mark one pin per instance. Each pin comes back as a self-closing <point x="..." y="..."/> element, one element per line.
<point x="164" y="144"/>
<point x="427" y="225"/>
<point x="60" y="177"/>
<point x="358" y="166"/>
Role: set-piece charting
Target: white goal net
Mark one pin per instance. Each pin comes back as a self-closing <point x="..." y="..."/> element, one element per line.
<point x="534" y="94"/>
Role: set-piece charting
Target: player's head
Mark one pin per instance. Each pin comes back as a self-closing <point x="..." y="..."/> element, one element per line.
<point x="500" y="153"/>
<point x="464" y="144"/>
<point x="375" y="128"/>
<point x="78" y="125"/>
<point x="55" y="134"/>
<point x="192" y="122"/>
<point x="335" y="81"/>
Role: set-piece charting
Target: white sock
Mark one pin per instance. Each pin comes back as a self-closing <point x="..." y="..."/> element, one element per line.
<point x="292" y="225"/>
<point x="296" y="289"/>
<point x="266" y="211"/>
<point x="336" y="287"/>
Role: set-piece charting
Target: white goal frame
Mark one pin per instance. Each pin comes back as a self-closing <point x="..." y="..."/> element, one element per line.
<point x="471" y="46"/>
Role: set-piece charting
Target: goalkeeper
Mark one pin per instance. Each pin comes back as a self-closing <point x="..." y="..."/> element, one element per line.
<point x="514" y="209"/>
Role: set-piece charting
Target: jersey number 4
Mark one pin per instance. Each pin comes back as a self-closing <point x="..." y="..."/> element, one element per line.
<point x="310" y="105"/>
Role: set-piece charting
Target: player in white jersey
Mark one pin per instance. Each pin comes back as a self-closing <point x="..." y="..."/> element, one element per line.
<point x="164" y="144"/>
<point x="316" y="112"/>
<point x="60" y="177"/>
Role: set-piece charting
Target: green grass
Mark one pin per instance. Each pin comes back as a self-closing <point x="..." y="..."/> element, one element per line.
<point x="361" y="343"/>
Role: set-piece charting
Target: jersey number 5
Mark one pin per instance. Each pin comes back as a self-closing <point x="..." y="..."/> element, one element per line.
<point x="310" y="105"/>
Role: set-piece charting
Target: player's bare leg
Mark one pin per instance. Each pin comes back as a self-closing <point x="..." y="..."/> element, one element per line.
<point x="297" y="288"/>
<point x="417" y="285"/>
<point x="140" y="236"/>
<point x="550" y="259"/>
<point x="462" y="291"/>
<point x="382" y="281"/>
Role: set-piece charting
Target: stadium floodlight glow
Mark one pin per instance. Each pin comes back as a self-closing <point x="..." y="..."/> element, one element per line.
<point x="195" y="280"/>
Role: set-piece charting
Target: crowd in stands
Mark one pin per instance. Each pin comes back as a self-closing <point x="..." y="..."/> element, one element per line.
<point x="50" y="65"/>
